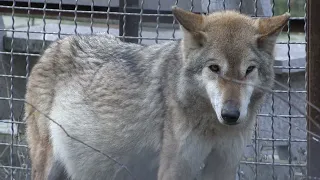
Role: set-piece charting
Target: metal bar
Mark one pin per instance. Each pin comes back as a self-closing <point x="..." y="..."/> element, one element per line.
<point x="44" y="25"/>
<point x="13" y="167"/>
<point x="21" y="54"/>
<point x="129" y="25"/>
<point x="281" y="115"/>
<point x="281" y="140"/>
<point x="75" y="17"/>
<point x="158" y="22"/>
<point x="256" y="133"/>
<point x="91" y="17"/>
<point x="289" y="88"/>
<point x="13" y="99"/>
<point x="313" y="86"/>
<point x="27" y="42"/>
<point x="274" y="177"/>
<point x="60" y="19"/>
<point x="270" y="164"/>
<point x="122" y="19"/>
<point x="15" y="145"/>
<point x="14" y="122"/>
<point x="108" y="16"/>
<point x="11" y="94"/>
<point x="208" y="7"/>
<point x="140" y="21"/>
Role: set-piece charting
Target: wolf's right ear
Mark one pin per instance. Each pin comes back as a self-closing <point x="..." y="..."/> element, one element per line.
<point x="269" y="29"/>
<point x="192" y="24"/>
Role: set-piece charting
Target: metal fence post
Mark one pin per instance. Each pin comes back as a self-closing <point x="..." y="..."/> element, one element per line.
<point x="128" y="24"/>
<point x="313" y="85"/>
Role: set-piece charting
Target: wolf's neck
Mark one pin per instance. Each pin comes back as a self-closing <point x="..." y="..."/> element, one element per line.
<point x="166" y="81"/>
<point x="163" y="63"/>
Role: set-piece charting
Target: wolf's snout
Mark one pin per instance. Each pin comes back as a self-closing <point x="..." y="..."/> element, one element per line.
<point x="230" y="112"/>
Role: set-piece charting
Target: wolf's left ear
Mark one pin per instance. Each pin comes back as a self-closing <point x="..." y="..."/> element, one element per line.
<point x="269" y="29"/>
<point x="192" y="24"/>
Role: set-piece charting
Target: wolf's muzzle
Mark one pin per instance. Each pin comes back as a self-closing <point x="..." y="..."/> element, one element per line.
<point x="230" y="112"/>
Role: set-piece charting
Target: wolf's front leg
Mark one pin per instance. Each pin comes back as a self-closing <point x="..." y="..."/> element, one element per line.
<point x="219" y="174"/>
<point x="174" y="169"/>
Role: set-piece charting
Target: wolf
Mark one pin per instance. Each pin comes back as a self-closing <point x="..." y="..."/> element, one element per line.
<point x="100" y="108"/>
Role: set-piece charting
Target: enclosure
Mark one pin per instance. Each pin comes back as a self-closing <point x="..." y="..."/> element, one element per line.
<point x="285" y="144"/>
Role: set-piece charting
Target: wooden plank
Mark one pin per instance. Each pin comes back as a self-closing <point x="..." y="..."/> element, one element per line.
<point x="313" y="86"/>
<point x="113" y="3"/>
<point x="165" y="5"/>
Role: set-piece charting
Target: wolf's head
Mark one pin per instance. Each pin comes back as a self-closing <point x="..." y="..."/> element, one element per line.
<point x="226" y="57"/>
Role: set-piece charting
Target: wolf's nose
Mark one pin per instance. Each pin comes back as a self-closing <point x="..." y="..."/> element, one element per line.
<point x="230" y="112"/>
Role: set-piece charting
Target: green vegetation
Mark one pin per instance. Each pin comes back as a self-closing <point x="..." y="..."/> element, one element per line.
<point x="296" y="7"/>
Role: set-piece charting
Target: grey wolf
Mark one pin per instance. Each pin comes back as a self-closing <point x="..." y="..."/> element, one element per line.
<point x="164" y="111"/>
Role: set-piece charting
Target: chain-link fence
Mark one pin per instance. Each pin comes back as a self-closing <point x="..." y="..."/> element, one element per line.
<point x="279" y="145"/>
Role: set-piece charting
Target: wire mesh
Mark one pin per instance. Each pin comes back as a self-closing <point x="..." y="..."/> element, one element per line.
<point x="278" y="149"/>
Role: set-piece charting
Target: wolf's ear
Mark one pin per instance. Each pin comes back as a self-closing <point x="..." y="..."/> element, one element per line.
<point x="269" y="29"/>
<point x="192" y="25"/>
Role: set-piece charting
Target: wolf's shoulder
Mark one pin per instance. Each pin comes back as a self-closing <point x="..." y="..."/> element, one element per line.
<point x="101" y="42"/>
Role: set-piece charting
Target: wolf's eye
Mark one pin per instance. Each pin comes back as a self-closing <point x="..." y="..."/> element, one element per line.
<point x="214" y="68"/>
<point x="250" y="69"/>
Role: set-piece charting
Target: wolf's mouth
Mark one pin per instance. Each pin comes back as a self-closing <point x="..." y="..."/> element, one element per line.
<point x="231" y="123"/>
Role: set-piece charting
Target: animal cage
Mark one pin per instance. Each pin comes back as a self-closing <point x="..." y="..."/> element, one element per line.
<point x="286" y="135"/>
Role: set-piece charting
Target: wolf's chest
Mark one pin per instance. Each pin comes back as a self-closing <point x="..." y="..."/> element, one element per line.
<point x="226" y="152"/>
